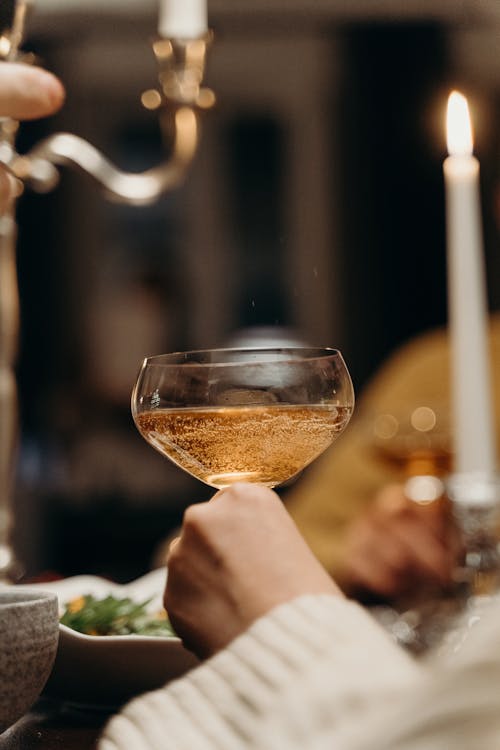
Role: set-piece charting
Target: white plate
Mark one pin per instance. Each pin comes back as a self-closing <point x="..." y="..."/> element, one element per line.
<point x="105" y="671"/>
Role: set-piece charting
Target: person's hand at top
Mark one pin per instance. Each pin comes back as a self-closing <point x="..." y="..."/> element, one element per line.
<point x="26" y="93"/>
<point x="237" y="557"/>
<point x="399" y="549"/>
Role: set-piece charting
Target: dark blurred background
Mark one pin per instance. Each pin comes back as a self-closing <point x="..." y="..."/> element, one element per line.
<point x="315" y="205"/>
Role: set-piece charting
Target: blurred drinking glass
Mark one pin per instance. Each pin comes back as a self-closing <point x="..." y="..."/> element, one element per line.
<point x="416" y="442"/>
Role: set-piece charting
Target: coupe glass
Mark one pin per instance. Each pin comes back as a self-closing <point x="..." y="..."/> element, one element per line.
<point x="253" y="415"/>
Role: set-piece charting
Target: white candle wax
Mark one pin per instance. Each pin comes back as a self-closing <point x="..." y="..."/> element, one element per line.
<point x="182" y="19"/>
<point x="473" y="425"/>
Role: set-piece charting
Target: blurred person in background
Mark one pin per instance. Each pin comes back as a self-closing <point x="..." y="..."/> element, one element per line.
<point x="356" y="505"/>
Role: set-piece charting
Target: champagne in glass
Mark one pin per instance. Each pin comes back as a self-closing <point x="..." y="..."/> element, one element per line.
<point x="255" y="415"/>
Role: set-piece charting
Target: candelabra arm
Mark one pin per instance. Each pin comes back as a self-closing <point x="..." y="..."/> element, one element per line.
<point x="36" y="168"/>
<point x="180" y="96"/>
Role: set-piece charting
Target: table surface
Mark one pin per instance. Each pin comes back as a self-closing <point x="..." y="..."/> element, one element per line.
<point x="52" y="726"/>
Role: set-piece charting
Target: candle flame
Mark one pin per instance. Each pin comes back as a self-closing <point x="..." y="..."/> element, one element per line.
<point x="458" y="126"/>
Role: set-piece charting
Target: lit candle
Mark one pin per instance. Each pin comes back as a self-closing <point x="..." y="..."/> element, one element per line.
<point x="182" y="19"/>
<point x="470" y="365"/>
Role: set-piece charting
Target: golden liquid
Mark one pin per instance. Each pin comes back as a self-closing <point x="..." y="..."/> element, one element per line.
<point x="223" y="445"/>
<point x="435" y="461"/>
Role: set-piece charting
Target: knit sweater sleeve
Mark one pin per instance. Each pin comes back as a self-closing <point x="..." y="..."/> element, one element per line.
<point x="310" y="664"/>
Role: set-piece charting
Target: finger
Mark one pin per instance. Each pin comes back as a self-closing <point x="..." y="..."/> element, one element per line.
<point x="219" y="494"/>
<point x="393" y="567"/>
<point x="432" y="520"/>
<point x="374" y="576"/>
<point x="378" y="561"/>
<point x="398" y="499"/>
<point x="248" y="494"/>
<point x="240" y="490"/>
<point x="440" y="527"/>
<point x="429" y="555"/>
<point x="28" y="92"/>
<point x="363" y="581"/>
<point x="172" y="550"/>
<point x="175" y="541"/>
<point x="391" y="499"/>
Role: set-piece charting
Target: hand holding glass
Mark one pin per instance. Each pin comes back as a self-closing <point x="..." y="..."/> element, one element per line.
<point x="253" y="415"/>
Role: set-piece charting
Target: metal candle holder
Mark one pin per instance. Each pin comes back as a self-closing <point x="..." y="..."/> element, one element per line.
<point x="178" y="100"/>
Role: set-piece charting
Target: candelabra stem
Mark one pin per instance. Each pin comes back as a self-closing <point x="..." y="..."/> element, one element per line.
<point x="476" y="508"/>
<point x="9" y="328"/>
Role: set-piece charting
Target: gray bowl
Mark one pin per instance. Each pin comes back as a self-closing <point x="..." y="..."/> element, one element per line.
<point x="29" y="631"/>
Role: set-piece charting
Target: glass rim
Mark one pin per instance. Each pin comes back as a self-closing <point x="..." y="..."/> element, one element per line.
<point x="310" y="353"/>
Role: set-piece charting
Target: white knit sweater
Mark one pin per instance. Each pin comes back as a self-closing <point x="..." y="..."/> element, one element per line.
<point x="320" y="674"/>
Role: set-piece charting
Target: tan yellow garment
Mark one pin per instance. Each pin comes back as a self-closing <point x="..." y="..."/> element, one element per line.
<point x="345" y="479"/>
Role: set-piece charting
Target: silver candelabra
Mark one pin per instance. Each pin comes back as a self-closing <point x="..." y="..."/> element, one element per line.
<point x="179" y="99"/>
